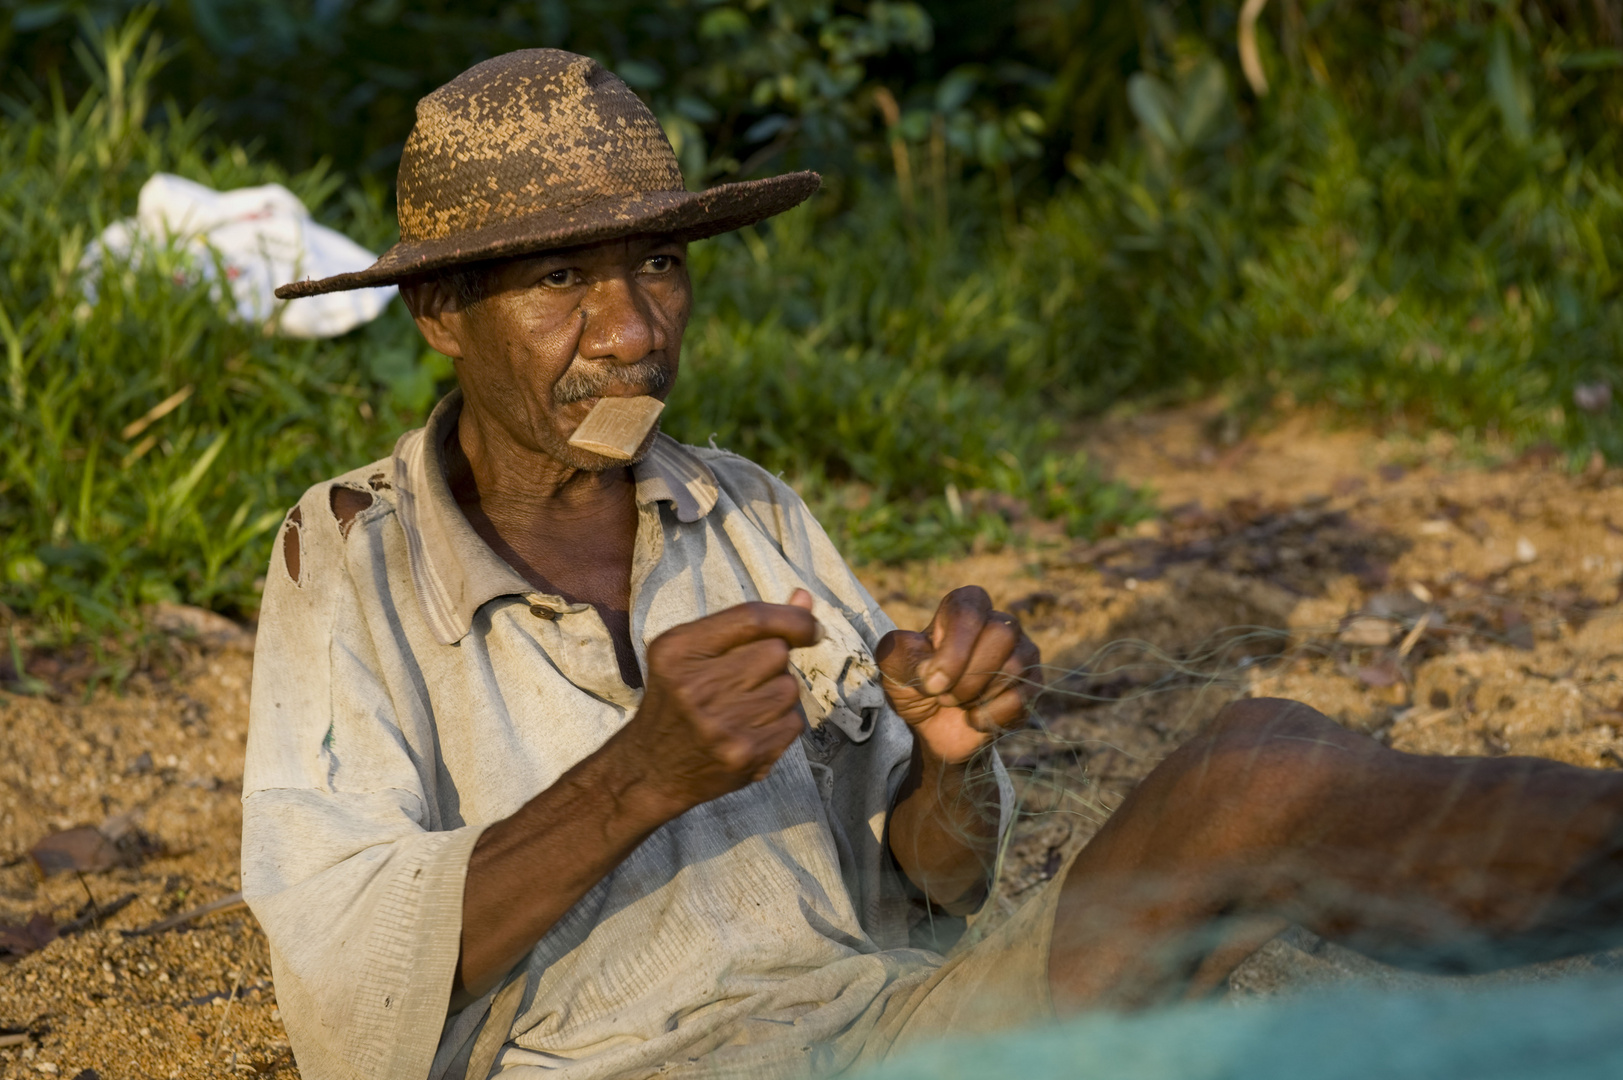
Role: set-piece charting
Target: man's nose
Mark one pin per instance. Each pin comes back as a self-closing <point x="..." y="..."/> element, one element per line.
<point x="620" y="325"/>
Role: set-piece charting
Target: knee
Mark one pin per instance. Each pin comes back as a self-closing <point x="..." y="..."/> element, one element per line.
<point x="1264" y="763"/>
<point x="1253" y="719"/>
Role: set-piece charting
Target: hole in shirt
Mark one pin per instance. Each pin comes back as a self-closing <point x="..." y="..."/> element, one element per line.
<point x="377" y="483"/>
<point x="347" y="502"/>
<point x="290" y="544"/>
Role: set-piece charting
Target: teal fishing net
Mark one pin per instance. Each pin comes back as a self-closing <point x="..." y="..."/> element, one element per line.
<point x="1566" y="1030"/>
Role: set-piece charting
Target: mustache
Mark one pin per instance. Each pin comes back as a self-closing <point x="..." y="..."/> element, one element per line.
<point x="591" y="378"/>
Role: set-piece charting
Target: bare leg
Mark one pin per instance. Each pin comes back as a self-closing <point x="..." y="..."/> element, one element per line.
<point x="1276" y="814"/>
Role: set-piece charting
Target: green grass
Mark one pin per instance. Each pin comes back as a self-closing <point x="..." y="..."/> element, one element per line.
<point x="1426" y="235"/>
<point x="1462" y="281"/>
<point x="101" y="513"/>
<point x="880" y="365"/>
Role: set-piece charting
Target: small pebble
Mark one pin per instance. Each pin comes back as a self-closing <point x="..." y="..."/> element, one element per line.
<point x="1369" y="632"/>
<point x="1525" y="551"/>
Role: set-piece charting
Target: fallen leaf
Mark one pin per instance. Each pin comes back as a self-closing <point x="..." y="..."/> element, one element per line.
<point x="82" y="850"/>
<point x="31" y="936"/>
<point x="1386" y="673"/>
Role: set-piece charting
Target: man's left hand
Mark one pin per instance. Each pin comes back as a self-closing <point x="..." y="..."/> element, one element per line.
<point x="968" y="676"/>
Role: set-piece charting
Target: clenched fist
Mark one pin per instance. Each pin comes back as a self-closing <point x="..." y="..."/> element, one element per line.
<point x="721" y="704"/>
<point x="969" y="675"/>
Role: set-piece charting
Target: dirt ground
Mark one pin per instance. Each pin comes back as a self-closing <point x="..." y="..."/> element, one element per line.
<point x="1412" y="590"/>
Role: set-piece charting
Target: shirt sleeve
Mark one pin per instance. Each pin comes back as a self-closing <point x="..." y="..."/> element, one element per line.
<point x="359" y="895"/>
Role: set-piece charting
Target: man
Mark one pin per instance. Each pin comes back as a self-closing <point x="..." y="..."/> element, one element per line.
<point x="559" y="764"/>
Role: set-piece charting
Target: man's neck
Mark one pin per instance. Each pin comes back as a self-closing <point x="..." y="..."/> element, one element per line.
<point x="570" y="532"/>
<point x="487" y="468"/>
<point x="567" y="530"/>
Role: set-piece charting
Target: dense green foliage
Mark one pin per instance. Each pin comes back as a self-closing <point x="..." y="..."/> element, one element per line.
<point x="738" y="86"/>
<point x="1034" y="210"/>
<point x="1426" y="232"/>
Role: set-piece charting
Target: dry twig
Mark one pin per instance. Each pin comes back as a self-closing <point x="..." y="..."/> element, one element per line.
<point x="224" y="903"/>
<point x="230" y="999"/>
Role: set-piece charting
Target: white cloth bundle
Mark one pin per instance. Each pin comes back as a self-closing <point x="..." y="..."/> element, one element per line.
<point x="260" y="237"/>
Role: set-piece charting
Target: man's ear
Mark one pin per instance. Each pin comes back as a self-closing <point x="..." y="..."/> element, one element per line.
<point x="437" y="314"/>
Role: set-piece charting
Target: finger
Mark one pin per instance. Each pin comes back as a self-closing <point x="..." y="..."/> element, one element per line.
<point x="754" y="662"/>
<point x="774" y="735"/>
<point x="1007" y="710"/>
<point x="899" y="655"/>
<point x="953" y="632"/>
<point x="768" y="703"/>
<point x="757" y="620"/>
<point x="800" y="598"/>
<point x="776" y="740"/>
<point x="996" y="644"/>
<point x="1015" y="674"/>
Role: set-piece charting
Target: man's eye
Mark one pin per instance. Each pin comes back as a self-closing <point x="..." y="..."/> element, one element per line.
<point x="659" y="264"/>
<point x="560" y="279"/>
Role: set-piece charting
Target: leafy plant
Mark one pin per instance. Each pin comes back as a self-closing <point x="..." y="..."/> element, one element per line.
<point x="153" y="441"/>
<point x="1422" y="234"/>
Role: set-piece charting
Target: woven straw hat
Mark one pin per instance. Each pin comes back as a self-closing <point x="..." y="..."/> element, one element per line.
<point x="543" y="149"/>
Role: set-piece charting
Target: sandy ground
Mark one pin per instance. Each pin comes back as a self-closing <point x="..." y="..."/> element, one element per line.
<point x="1411" y="591"/>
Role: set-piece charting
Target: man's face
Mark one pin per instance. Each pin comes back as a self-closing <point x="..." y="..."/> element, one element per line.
<point x="555" y="332"/>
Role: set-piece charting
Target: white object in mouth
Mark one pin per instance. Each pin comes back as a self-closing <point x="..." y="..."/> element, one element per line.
<point x="617" y="426"/>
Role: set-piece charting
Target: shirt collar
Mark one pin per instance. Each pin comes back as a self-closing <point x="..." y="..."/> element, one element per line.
<point x="453" y="570"/>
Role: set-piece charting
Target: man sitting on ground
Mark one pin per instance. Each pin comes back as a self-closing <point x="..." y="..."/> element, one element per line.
<point x="564" y="764"/>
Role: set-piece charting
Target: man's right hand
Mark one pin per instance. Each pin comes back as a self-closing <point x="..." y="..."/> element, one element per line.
<point x="721" y="705"/>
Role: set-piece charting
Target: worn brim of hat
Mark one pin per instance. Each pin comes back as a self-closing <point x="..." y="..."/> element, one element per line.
<point x="685" y="215"/>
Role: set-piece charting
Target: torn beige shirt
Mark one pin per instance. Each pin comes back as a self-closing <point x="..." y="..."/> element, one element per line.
<point x="411" y="688"/>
